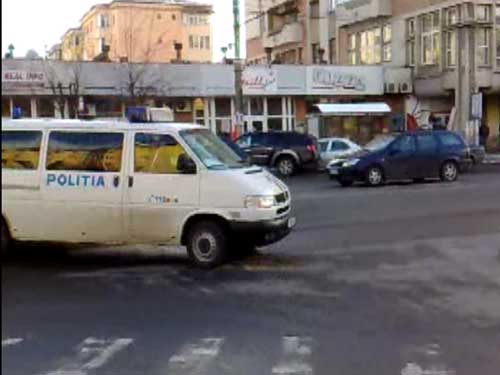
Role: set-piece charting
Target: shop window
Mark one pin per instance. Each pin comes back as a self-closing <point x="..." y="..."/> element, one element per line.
<point x="483" y="46"/>
<point x="223" y="107"/>
<point x="256" y="106"/>
<point x="156" y="154"/>
<point x="105" y="107"/>
<point x="85" y="151"/>
<point x="274" y="106"/>
<point x="21" y="149"/>
<point x="275" y="124"/>
<point x="5" y="107"/>
<point x="45" y="107"/>
<point x="24" y="104"/>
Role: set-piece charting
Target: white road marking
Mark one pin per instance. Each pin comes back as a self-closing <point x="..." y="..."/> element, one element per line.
<point x="296" y="357"/>
<point x="416" y="369"/>
<point x="195" y="358"/>
<point x="11" y="342"/>
<point x="92" y="354"/>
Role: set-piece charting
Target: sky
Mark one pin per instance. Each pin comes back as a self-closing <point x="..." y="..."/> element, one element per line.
<point x="39" y="24"/>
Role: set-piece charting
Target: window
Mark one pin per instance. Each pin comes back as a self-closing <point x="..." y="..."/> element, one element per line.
<point x="483" y="46"/>
<point x="101" y="45"/>
<point x="196" y="41"/>
<point x="452" y="16"/>
<point x="405" y="144"/>
<point x="451" y="48"/>
<point x="156" y="154"/>
<point x="483" y="13"/>
<point x="102" y="21"/>
<point x="450" y="140"/>
<point x="274" y="106"/>
<point x="333" y="51"/>
<point x="314" y="50"/>
<point x="85" y="151"/>
<point x="207" y="42"/>
<point x="497" y="15"/>
<point x="314" y="8"/>
<point x="410" y="27"/>
<point x="387" y="47"/>
<point x="411" y="52"/>
<point x="21" y="149"/>
<point x="174" y="17"/>
<point x="191" y="41"/>
<point x="351" y="49"/>
<point x="158" y="16"/>
<point x="430" y="39"/>
<point x="202" y="42"/>
<point x="426" y="143"/>
<point x="339" y="146"/>
<point x="370" y="46"/>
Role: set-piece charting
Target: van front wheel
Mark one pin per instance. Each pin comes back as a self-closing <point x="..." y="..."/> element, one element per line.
<point x="207" y="244"/>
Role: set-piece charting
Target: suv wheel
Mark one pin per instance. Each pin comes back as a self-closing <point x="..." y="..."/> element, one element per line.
<point x="286" y="166"/>
<point x="374" y="176"/>
<point x="449" y="171"/>
<point x="207" y="244"/>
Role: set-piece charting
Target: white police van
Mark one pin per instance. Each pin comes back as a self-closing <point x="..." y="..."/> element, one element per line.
<point x="136" y="182"/>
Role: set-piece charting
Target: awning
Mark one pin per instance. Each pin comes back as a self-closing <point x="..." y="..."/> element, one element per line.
<point x="352" y="109"/>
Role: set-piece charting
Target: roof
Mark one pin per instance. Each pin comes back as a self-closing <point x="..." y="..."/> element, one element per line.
<point x="347" y="109"/>
<point x="112" y="124"/>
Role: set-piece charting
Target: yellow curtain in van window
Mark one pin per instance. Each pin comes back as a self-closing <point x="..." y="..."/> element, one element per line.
<point x="157" y="160"/>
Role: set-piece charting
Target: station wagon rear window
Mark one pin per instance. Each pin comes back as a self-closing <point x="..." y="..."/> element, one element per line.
<point x="21" y="149"/>
<point x="85" y="151"/>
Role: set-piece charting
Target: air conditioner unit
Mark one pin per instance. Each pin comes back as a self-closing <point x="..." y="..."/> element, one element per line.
<point x="182" y="106"/>
<point x="405" y="87"/>
<point x="391" y="88"/>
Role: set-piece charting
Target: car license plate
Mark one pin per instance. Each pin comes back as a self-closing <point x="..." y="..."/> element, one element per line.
<point x="291" y="222"/>
<point x="334" y="171"/>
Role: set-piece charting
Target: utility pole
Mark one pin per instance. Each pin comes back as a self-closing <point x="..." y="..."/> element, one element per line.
<point x="236" y="13"/>
<point x="238" y="66"/>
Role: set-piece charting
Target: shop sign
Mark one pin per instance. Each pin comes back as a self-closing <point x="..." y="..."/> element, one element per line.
<point x="259" y="79"/>
<point x="20" y="76"/>
<point x="346" y="80"/>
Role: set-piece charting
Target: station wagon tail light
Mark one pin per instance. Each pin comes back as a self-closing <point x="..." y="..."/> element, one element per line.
<point x="259" y="201"/>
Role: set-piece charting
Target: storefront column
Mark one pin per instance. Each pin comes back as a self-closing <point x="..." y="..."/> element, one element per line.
<point x="57" y="110"/>
<point x="34" y="112"/>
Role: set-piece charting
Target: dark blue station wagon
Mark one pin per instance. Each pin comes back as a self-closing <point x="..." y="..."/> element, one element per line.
<point x="407" y="156"/>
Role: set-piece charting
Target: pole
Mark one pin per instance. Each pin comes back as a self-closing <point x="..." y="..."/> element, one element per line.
<point x="236" y="13"/>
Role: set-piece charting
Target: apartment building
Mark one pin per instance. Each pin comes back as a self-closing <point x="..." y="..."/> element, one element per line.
<point x="452" y="48"/>
<point x="142" y="31"/>
<point x="288" y="31"/>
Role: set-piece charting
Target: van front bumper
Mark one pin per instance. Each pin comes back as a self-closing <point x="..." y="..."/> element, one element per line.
<point x="263" y="233"/>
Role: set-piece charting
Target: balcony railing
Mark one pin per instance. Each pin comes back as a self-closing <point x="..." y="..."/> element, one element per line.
<point x="352" y="11"/>
<point x="289" y="33"/>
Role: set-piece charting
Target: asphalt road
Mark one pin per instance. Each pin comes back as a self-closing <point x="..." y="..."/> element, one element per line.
<point x="403" y="279"/>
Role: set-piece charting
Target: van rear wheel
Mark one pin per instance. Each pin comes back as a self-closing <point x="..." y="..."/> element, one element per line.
<point x="207" y="244"/>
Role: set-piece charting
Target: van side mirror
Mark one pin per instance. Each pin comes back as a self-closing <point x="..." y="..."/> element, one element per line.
<point x="186" y="165"/>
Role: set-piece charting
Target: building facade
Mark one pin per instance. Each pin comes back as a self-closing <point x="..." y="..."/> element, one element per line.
<point x="142" y="32"/>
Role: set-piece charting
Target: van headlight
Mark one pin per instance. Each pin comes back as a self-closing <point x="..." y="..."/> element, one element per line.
<point x="351" y="163"/>
<point x="260" y="201"/>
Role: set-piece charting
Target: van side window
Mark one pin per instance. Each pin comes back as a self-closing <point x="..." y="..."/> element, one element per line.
<point x="21" y="149"/>
<point x="156" y="154"/>
<point x="85" y="151"/>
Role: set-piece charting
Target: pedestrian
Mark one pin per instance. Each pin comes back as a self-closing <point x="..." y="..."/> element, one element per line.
<point x="484" y="133"/>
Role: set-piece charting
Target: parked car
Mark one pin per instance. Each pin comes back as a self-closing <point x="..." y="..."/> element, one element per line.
<point x="407" y="156"/>
<point x="287" y="151"/>
<point x="233" y="146"/>
<point x="335" y="149"/>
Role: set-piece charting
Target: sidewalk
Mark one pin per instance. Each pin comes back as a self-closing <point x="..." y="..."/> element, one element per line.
<point x="492" y="158"/>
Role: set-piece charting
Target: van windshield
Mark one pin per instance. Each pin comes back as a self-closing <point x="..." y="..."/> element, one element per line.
<point x="213" y="152"/>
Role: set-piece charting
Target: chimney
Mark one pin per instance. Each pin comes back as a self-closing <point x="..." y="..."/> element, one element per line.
<point x="178" y="51"/>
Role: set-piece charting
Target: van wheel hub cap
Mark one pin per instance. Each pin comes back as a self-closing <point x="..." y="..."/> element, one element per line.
<point x="205" y="246"/>
<point x="450" y="171"/>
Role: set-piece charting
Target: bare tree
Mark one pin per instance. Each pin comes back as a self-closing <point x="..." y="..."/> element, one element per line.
<point x="142" y="80"/>
<point x="64" y="80"/>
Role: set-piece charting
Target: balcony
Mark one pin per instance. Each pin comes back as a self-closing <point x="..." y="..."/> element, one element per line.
<point x="289" y="33"/>
<point x="353" y="11"/>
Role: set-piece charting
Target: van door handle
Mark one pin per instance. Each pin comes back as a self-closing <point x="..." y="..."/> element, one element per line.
<point x="116" y="181"/>
<point x="130" y="181"/>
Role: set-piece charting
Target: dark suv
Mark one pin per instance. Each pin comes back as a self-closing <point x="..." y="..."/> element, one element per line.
<point x="287" y="151"/>
<point x="408" y="156"/>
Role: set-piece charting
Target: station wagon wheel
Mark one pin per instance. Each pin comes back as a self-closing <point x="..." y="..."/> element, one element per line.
<point x="286" y="166"/>
<point x="374" y="176"/>
<point x="207" y="244"/>
<point x="449" y="171"/>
